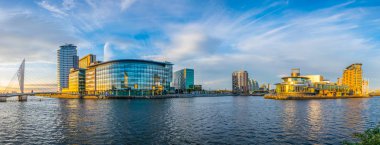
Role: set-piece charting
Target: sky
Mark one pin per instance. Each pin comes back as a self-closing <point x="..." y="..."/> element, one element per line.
<point x="214" y="37"/>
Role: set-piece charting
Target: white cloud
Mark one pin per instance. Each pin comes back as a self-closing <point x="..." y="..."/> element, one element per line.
<point x="322" y="42"/>
<point x="51" y="8"/>
<point x="125" y="4"/>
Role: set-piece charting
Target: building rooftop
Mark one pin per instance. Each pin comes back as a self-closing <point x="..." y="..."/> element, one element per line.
<point x="133" y="60"/>
<point x="352" y="65"/>
<point x="68" y="45"/>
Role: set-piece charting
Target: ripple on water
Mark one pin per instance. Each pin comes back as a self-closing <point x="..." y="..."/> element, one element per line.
<point x="208" y="120"/>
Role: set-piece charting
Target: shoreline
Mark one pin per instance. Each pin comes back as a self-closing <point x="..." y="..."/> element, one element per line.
<point x="306" y="97"/>
<point x="74" y="96"/>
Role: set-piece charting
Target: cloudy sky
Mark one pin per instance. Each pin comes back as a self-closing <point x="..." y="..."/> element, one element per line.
<point x="215" y="37"/>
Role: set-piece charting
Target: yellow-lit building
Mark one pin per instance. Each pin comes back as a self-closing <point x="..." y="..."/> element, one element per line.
<point x="309" y="85"/>
<point x="315" y="78"/>
<point x="353" y="78"/>
<point x="90" y="81"/>
<point x="86" y="61"/>
<point x="76" y="82"/>
<point x="365" y="87"/>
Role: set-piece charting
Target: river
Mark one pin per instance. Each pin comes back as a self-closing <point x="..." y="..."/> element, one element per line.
<point x="200" y="120"/>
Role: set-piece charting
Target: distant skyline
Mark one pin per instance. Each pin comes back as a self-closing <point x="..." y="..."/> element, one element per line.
<point x="214" y="37"/>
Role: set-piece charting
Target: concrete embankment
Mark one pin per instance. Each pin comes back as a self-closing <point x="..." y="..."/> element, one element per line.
<point x="75" y="96"/>
<point x="305" y="97"/>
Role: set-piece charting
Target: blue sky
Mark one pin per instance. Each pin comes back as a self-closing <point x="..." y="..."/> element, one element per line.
<point x="215" y="37"/>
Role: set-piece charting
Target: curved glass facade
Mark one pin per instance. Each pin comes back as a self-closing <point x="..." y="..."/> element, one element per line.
<point x="132" y="77"/>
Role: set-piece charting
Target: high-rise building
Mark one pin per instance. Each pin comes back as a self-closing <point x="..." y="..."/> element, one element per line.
<point x="240" y="82"/>
<point x="86" y="61"/>
<point x="353" y="78"/>
<point x="183" y="79"/>
<point x="66" y="59"/>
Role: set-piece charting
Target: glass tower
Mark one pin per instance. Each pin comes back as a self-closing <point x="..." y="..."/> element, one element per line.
<point x="66" y="59"/>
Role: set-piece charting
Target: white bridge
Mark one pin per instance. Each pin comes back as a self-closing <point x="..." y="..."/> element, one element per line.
<point x="20" y="76"/>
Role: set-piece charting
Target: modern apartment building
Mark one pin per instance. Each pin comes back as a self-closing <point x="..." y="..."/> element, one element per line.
<point x="353" y="78"/>
<point x="240" y="82"/>
<point x="67" y="58"/>
<point x="253" y="85"/>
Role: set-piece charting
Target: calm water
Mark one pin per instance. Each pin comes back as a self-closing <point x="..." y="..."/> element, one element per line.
<point x="207" y="120"/>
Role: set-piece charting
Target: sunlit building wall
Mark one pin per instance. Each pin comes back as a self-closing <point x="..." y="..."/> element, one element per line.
<point x="66" y="59"/>
<point x="76" y="82"/>
<point x="90" y="80"/>
<point x="240" y="82"/>
<point x="301" y="85"/>
<point x="353" y="78"/>
<point x="365" y="87"/>
<point x="86" y="61"/>
<point x="315" y="78"/>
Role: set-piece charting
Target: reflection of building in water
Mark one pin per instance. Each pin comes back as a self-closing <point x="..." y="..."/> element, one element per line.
<point x="314" y="118"/>
<point x="353" y="113"/>
<point x="289" y="119"/>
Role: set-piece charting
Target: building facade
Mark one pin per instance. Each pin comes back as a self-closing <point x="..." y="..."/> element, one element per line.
<point x="66" y="59"/>
<point x="86" y="61"/>
<point x="240" y="82"/>
<point x="315" y="78"/>
<point x="129" y="77"/>
<point x="76" y="81"/>
<point x="183" y="79"/>
<point x="365" y="87"/>
<point x="253" y="85"/>
<point x="353" y="78"/>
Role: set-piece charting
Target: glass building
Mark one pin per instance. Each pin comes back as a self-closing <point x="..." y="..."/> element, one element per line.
<point x="183" y="79"/>
<point x="66" y="59"/>
<point x="129" y="77"/>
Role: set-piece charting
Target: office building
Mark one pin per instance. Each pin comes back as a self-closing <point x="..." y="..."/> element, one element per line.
<point x="128" y="77"/>
<point x="240" y="82"/>
<point x="86" y="61"/>
<point x="76" y="82"/>
<point x="353" y="78"/>
<point x="66" y="59"/>
<point x="183" y="79"/>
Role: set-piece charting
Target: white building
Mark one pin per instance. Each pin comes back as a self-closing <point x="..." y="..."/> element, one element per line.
<point x="67" y="58"/>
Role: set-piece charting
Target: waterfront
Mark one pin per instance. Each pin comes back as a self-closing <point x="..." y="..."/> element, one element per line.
<point x="200" y="120"/>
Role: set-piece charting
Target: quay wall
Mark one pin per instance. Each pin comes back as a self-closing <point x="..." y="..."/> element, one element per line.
<point x="76" y="96"/>
<point x="305" y="97"/>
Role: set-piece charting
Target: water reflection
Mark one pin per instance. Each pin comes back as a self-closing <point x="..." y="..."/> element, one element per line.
<point x="290" y="114"/>
<point x="353" y="109"/>
<point x="314" y="119"/>
<point x="213" y="120"/>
